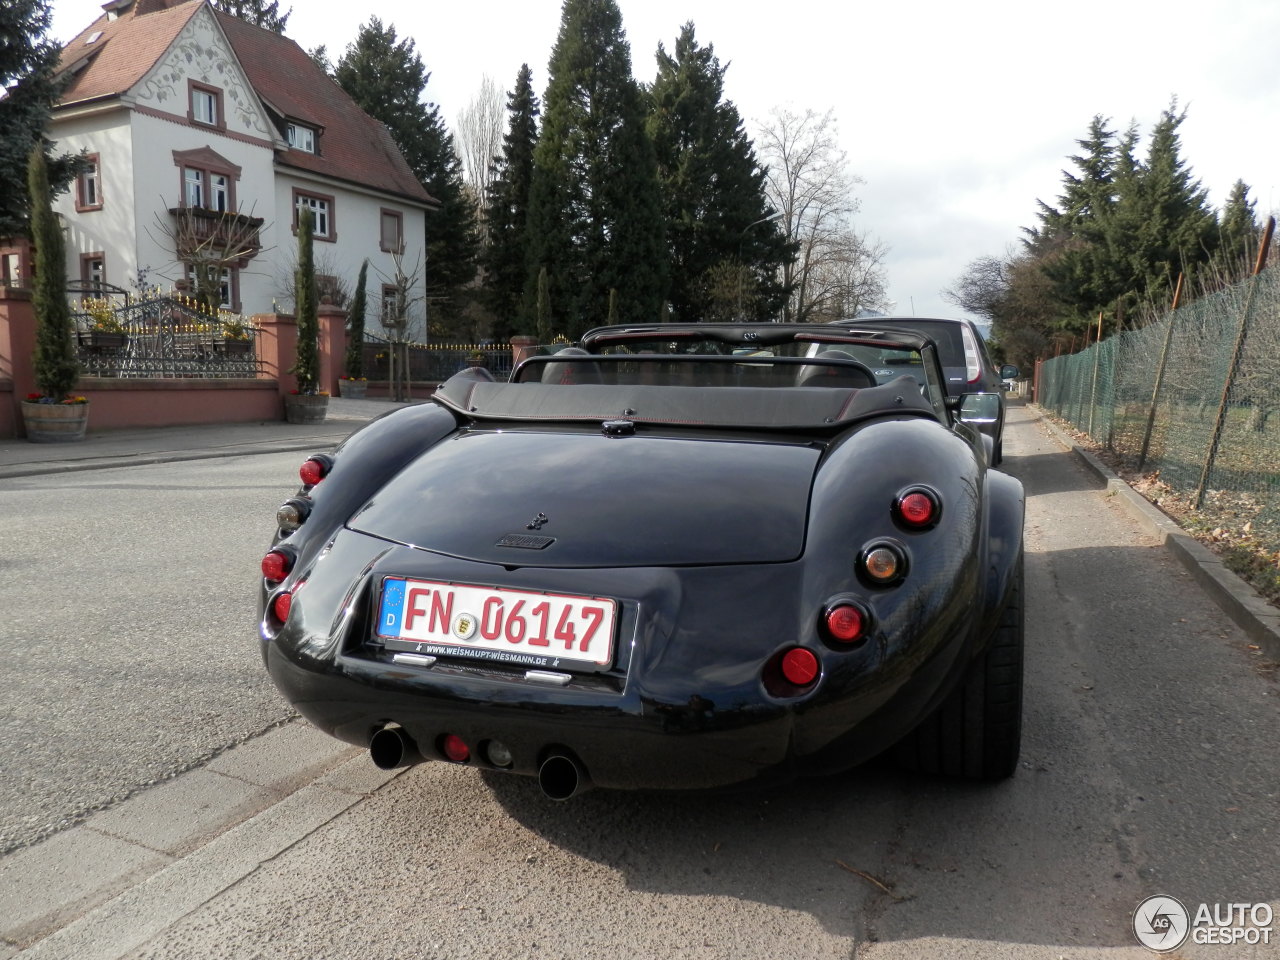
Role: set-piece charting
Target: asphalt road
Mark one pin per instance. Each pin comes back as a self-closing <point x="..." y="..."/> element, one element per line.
<point x="127" y="650"/>
<point x="1149" y="762"/>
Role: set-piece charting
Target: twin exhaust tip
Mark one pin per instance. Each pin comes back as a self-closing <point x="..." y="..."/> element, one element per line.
<point x="560" y="774"/>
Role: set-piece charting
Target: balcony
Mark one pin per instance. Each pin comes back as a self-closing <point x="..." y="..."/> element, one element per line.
<point x="231" y="238"/>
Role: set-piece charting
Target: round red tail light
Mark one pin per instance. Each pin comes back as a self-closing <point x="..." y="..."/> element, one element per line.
<point x="799" y="666"/>
<point x="282" y="605"/>
<point x="917" y="508"/>
<point x="455" y="748"/>
<point x="314" y="469"/>
<point x="276" y="565"/>
<point x="845" y="623"/>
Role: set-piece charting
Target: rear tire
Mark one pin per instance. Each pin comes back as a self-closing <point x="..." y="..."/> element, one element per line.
<point x="977" y="731"/>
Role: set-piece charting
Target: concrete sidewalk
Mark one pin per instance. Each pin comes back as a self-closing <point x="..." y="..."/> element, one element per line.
<point x="125" y="448"/>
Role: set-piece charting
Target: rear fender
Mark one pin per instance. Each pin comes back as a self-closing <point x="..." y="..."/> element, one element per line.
<point x="1006" y="505"/>
<point x="362" y="464"/>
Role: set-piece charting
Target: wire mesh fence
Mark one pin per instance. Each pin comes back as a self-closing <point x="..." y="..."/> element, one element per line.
<point x="1190" y="407"/>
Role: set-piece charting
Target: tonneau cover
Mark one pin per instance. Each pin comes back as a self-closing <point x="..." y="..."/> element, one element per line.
<point x="767" y="408"/>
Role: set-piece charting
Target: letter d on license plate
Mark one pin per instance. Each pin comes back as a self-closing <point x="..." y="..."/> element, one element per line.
<point x="493" y="623"/>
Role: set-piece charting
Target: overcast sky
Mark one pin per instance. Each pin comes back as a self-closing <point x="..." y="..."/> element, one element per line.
<point x="956" y="116"/>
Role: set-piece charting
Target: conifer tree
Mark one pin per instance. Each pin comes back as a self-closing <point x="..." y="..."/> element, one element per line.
<point x="1178" y="230"/>
<point x="28" y="64"/>
<point x="713" y="188"/>
<point x="261" y="13"/>
<point x="1238" y="233"/>
<point x="595" y="217"/>
<point x="386" y="77"/>
<point x="56" y="369"/>
<point x="354" y="360"/>
<point x="507" y="208"/>
<point x="306" y="300"/>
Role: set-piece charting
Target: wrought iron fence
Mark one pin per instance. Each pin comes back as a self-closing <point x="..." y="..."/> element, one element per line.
<point x="434" y="362"/>
<point x="162" y="337"/>
<point x="1190" y="405"/>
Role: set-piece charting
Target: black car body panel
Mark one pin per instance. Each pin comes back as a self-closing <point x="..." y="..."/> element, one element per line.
<point x="719" y="540"/>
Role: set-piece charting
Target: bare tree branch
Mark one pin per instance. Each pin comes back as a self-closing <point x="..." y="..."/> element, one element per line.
<point x="836" y="270"/>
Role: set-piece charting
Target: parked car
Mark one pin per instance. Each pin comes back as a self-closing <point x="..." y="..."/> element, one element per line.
<point x="669" y="557"/>
<point x="968" y="368"/>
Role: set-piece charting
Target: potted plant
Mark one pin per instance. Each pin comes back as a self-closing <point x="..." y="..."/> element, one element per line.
<point x="106" y="332"/>
<point x="235" y="337"/>
<point x="308" y="403"/>
<point x="52" y="414"/>
<point x="353" y="383"/>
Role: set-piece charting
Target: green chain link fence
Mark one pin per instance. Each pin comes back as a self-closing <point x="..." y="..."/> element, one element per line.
<point x="1189" y="406"/>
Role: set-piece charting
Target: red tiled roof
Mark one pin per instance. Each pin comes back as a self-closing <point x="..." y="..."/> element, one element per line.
<point x="353" y="146"/>
<point x="129" y="46"/>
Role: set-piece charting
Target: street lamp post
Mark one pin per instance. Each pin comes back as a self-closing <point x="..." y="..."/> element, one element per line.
<point x="776" y="215"/>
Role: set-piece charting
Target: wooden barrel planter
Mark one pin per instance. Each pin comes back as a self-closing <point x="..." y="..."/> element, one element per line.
<point x="305" y="408"/>
<point x="55" y="422"/>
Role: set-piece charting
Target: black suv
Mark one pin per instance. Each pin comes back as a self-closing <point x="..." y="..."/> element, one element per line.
<point x="968" y="368"/>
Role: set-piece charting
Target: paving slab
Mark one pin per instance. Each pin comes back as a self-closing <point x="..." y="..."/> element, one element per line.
<point x="180" y="814"/>
<point x="286" y="759"/>
<point x="45" y="886"/>
<point x="124" y="923"/>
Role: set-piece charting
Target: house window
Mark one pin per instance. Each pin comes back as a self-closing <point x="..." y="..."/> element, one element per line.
<point x="93" y="273"/>
<point x="300" y="137"/>
<point x="219" y="192"/>
<point x="330" y="287"/>
<point x="192" y="187"/>
<point x="322" y="213"/>
<point x="392" y="238"/>
<point x="89" y="185"/>
<point x="390" y="304"/>
<point x="204" y="105"/>
<point x="207" y="188"/>
<point x="228" y="281"/>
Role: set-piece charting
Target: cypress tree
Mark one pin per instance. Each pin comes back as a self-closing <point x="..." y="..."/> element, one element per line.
<point x="306" y="301"/>
<point x="354" y="360"/>
<point x="386" y="77"/>
<point x="543" y="320"/>
<point x="507" y="208"/>
<point x="713" y="188"/>
<point x="56" y="368"/>
<point x="595" y="217"/>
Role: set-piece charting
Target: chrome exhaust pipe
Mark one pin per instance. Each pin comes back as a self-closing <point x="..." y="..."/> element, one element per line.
<point x="391" y="747"/>
<point x="561" y="776"/>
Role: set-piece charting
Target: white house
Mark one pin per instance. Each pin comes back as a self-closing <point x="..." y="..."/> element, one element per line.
<point x="198" y="125"/>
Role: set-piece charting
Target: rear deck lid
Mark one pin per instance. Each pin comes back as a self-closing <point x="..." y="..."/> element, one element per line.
<point x="580" y="499"/>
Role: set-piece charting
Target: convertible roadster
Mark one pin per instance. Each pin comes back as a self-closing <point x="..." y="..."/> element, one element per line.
<point x="669" y="557"/>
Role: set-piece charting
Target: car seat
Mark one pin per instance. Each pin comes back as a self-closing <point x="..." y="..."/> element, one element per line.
<point x="850" y="374"/>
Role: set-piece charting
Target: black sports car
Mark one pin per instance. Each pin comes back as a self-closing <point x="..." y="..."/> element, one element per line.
<point x="668" y="557"/>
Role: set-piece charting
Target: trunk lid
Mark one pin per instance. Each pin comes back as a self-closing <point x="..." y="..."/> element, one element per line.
<point x="534" y="498"/>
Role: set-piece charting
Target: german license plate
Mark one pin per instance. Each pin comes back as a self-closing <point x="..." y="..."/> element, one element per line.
<point x="497" y="624"/>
